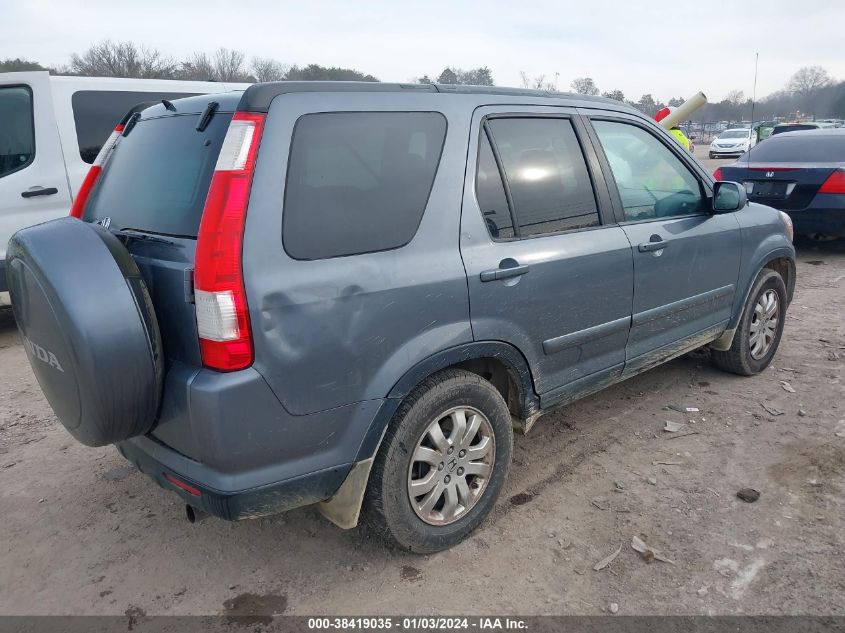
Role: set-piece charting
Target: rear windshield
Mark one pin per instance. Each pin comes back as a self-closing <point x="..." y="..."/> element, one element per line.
<point x="156" y="178"/>
<point x="810" y="148"/>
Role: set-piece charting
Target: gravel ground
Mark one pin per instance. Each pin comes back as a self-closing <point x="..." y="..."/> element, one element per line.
<point x="83" y="533"/>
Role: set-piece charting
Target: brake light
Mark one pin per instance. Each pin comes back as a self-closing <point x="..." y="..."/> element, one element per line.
<point x="835" y="183"/>
<point x="221" y="308"/>
<point x="93" y="174"/>
<point x="717" y="175"/>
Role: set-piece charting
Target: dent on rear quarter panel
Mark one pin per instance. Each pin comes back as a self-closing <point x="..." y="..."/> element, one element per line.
<point x="337" y="331"/>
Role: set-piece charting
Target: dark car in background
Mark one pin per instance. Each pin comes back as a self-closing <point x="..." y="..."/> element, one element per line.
<point x="801" y="173"/>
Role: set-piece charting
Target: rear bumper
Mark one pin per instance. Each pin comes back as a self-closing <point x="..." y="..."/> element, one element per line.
<point x="228" y="436"/>
<point x="150" y="458"/>
<point x="828" y="221"/>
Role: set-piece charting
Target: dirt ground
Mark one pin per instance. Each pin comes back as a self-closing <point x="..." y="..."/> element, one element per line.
<point x="81" y="532"/>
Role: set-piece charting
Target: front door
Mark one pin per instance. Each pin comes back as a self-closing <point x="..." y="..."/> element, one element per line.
<point x="547" y="271"/>
<point x="686" y="259"/>
<point x="33" y="182"/>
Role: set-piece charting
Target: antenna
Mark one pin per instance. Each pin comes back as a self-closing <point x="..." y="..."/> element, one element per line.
<point x="753" y="101"/>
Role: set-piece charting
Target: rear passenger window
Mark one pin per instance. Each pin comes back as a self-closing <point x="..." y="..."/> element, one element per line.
<point x="546" y="173"/>
<point x="358" y="182"/>
<point x="96" y="112"/>
<point x="17" y="132"/>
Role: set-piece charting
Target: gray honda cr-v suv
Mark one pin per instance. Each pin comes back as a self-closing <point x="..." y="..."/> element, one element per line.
<point x="348" y="294"/>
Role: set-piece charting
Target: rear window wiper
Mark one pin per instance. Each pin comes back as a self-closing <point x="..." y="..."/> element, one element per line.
<point x="205" y="117"/>
<point x="137" y="234"/>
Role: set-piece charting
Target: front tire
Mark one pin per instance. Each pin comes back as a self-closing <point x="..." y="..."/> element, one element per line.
<point x="442" y="463"/>
<point x="760" y="328"/>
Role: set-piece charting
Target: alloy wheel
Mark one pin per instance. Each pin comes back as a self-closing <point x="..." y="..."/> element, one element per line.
<point x="451" y="465"/>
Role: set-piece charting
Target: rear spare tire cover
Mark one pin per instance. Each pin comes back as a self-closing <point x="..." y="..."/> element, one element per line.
<point x="89" y="328"/>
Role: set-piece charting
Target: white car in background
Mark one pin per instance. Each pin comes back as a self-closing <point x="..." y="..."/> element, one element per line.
<point x="733" y="142"/>
<point x="51" y="130"/>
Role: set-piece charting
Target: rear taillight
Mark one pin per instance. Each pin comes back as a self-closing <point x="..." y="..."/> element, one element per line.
<point x="93" y="175"/>
<point x="221" y="307"/>
<point x="717" y="175"/>
<point x="835" y="183"/>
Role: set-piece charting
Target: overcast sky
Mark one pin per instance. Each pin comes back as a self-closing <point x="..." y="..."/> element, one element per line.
<point x="660" y="48"/>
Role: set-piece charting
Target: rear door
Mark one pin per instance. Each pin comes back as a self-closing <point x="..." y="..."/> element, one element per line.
<point x="686" y="260"/>
<point x="33" y="183"/>
<point x="548" y="269"/>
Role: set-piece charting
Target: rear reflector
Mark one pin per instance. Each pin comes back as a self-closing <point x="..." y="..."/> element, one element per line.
<point x="221" y="308"/>
<point x="835" y="183"/>
<point x="191" y="490"/>
<point x="93" y="174"/>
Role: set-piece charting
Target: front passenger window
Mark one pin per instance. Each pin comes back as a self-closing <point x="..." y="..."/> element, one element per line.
<point x="652" y="181"/>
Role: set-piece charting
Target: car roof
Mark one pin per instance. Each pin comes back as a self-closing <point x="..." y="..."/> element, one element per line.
<point x="257" y="97"/>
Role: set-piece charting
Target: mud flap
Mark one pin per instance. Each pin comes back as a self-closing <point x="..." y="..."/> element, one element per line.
<point x="344" y="507"/>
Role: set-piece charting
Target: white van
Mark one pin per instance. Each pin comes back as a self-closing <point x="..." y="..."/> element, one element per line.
<point x="51" y="129"/>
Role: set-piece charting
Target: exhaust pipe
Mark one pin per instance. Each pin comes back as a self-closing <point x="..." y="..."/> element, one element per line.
<point x="194" y="515"/>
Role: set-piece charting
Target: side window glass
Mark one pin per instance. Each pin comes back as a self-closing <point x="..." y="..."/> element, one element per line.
<point x="491" y="193"/>
<point x="547" y="175"/>
<point x="358" y="182"/>
<point x="17" y="129"/>
<point x="652" y="181"/>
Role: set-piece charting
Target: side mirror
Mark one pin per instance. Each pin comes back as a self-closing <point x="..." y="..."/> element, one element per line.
<point x="728" y="197"/>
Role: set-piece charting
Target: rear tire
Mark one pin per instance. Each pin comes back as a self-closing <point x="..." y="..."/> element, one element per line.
<point x="758" y="334"/>
<point x="415" y="457"/>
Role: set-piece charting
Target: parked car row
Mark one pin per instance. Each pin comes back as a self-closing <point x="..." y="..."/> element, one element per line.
<point x="347" y="294"/>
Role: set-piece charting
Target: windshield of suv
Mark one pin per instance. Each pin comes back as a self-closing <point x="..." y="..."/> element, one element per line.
<point x="735" y="134"/>
<point x="156" y="179"/>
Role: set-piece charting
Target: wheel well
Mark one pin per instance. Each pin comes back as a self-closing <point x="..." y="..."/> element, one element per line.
<point x="785" y="267"/>
<point x="501" y="377"/>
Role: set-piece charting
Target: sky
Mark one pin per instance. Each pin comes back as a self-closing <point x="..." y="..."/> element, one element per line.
<point x="668" y="50"/>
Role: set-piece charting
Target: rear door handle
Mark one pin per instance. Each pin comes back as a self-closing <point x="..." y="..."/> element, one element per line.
<point x="648" y="247"/>
<point x="39" y="191"/>
<point x="503" y="273"/>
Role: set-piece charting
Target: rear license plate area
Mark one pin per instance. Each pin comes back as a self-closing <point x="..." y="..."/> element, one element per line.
<point x="768" y="190"/>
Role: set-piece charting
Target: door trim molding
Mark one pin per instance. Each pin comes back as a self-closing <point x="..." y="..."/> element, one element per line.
<point x="660" y="312"/>
<point x="573" y="339"/>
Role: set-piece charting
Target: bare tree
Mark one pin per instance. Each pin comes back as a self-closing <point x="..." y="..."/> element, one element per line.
<point x="123" y="59"/>
<point x="223" y="65"/>
<point x="266" y="69"/>
<point x="808" y="80"/>
<point x="617" y="95"/>
<point x="584" y="86"/>
<point x="536" y="83"/>
<point x="735" y="97"/>
<point x="229" y="65"/>
<point x="198" y="67"/>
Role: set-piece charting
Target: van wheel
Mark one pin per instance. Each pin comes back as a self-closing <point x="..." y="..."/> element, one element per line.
<point x="760" y="329"/>
<point x="442" y="463"/>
